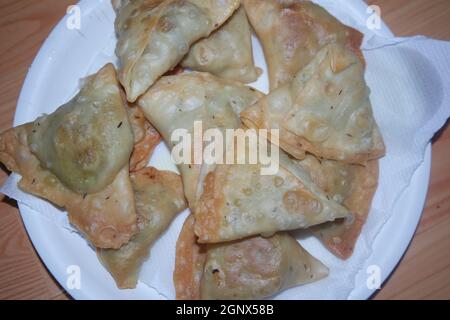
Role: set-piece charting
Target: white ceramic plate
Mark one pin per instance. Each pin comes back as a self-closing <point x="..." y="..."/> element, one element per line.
<point x="68" y="55"/>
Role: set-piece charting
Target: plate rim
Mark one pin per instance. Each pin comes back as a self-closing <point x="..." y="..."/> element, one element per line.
<point x="33" y="223"/>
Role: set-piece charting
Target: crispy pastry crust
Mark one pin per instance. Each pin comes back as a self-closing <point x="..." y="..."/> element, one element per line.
<point x="293" y="31"/>
<point x="159" y="198"/>
<point x="237" y="202"/>
<point x="155" y="35"/>
<point x="107" y="218"/>
<point x="227" y="52"/>
<point x="252" y="268"/>
<point x="340" y="236"/>
<point x="176" y="102"/>
<point x="146" y="138"/>
<point x="189" y="262"/>
<point x="325" y="111"/>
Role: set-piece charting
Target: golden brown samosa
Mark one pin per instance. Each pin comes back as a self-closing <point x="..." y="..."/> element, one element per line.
<point x="227" y="52"/>
<point x="176" y="102"/>
<point x="159" y="197"/>
<point x="252" y="268"/>
<point x="293" y="31"/>
<point x="353" y="186"/>
<point x="325" y="110"/>
<point x="77" y="158"/>
<point x="238" y="201"/>
<point x="232" y="201"/>
<point x="155" y="35"/>
<point x="146" y="138"/>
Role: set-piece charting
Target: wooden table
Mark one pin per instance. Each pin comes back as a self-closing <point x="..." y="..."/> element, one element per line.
<point x="424" y="272"/>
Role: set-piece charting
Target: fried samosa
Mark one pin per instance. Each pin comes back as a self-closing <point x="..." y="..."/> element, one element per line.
<point x="159" y="198"/>
<point x="227" y="52"/>
<point x="237" y="202"/>
<point x="146" y="138"/>
<point x="155" y="35"/>
<point x="293" y="31"/>
<point x="325" y="110"/>
<point x="232" y="201"/>
<point x="89" y="139"/>
<point x="176" y="102"/>
<point x="253" y="268"/>
<point x="351" y="185"/>
<point x="77" y="158"/>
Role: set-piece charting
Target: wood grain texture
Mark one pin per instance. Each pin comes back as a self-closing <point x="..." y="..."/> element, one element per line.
<point x="424" y="272"/>
<point x="24" y="25"/>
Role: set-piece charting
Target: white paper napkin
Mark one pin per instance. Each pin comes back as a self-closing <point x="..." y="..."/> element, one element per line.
<point x="410" y="84"/>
